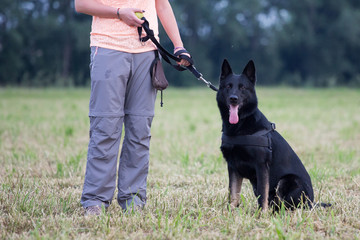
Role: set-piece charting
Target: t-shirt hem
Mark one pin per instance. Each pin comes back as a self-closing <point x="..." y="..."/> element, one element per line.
<point x="127" y="50"/>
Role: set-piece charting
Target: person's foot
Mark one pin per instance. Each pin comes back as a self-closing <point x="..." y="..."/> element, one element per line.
<point x="132" y="205"/>
<point x="134" y="209"/>
<point x="93" y="211"/>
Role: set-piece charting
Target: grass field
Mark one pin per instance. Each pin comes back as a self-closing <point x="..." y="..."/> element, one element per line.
<point x="43" y="147"/>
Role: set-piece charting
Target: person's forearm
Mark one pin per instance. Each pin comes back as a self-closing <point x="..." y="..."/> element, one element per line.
<point x="168" y="21"/>
<point x="95" y="8"/>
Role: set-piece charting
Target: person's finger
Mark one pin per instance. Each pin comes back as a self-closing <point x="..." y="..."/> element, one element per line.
<point x="184" y="62"/>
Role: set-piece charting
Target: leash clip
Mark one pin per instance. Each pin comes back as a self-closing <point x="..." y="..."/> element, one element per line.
<point x="208" y="84"/>
<point x="204" y="80"/>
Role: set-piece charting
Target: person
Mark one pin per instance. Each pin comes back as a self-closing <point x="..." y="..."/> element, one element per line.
<point x="121" y="94"/>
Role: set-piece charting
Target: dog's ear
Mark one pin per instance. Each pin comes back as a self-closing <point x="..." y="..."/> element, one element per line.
<point x="225" y="69"/>
<point x="249" y="71"/>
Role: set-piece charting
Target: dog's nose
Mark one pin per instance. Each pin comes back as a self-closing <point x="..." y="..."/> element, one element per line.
<point x="233" y="98"/>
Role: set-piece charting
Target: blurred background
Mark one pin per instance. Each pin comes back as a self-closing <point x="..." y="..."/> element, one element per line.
<point x="308" y="43"/>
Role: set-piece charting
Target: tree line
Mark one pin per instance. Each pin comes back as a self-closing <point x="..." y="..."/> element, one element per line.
<point x="298" y="43"/>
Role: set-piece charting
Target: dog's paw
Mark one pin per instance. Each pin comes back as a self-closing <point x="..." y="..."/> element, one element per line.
<point x="233" y="206"/>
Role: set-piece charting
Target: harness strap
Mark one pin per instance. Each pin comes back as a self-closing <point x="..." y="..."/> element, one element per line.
<point x="265" y="131"/>
<point x="247" y="140"/>
<point x="258" y="139"/>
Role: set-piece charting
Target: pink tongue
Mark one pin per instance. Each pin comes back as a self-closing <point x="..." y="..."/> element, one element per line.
<point x="234" y="118"/>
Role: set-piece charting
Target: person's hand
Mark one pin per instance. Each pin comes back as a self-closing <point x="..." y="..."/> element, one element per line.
<point x="127" y="15"/>
<point x="184" y="55"/>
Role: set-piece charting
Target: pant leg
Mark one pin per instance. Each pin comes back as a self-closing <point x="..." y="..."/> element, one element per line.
<point x="139" y="111"/>
<point x="110" y="72"/>
<point x="100" y="176"/>
<point x="134" y="161"/>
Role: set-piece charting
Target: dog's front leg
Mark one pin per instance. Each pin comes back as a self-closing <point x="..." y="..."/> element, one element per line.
<point x="235" y="181"/>
<point x="262" y="175"/>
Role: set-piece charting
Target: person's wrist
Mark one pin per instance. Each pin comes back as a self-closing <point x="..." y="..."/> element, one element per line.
<point x="178" y="48"/>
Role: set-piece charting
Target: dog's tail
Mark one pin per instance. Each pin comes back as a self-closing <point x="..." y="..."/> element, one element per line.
<point x="325" y="205"/>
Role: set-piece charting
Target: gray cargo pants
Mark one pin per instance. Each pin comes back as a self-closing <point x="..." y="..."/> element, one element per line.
<point x="121" y="94"/>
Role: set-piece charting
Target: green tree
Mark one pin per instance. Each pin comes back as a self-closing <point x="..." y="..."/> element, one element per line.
<point x="310" y="42"/>
<point x="39" y="43"/>
<point x="320" y="42"/>
<point x="214" y="30"/>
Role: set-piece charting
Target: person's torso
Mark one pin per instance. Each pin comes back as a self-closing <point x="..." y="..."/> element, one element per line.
<point x="114" y="34"/>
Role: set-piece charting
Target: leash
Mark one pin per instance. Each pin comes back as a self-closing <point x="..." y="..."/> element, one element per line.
<point x="167" y="56"/>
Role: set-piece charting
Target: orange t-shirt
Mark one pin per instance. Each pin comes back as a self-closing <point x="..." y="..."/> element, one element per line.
<point x="113" y="33"/>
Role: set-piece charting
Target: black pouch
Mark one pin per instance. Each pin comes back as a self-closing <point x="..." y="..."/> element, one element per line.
<point x="158" y="78"/>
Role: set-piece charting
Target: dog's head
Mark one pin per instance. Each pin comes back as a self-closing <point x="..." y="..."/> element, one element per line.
<point x="237" y="92"/>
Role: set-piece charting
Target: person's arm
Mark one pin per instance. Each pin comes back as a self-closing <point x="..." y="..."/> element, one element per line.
<point x="95" y="8"/>
<point x="168" y="21"/>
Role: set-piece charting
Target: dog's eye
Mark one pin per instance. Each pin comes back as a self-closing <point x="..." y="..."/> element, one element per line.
<point x="229" y="86"/>
<point x="242" y="87"/>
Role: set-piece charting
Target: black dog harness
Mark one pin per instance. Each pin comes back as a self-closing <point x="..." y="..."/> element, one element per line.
<point x="257" y="139"/>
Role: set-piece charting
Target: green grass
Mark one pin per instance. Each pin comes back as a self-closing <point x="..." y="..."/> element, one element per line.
<point x="43" y="144"/>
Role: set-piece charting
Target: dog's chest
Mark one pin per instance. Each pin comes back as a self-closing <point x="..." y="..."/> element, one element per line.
<point x="242" y="160"/>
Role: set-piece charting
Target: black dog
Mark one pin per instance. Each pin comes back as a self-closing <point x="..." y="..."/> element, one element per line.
<point x="254" y="150"/>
